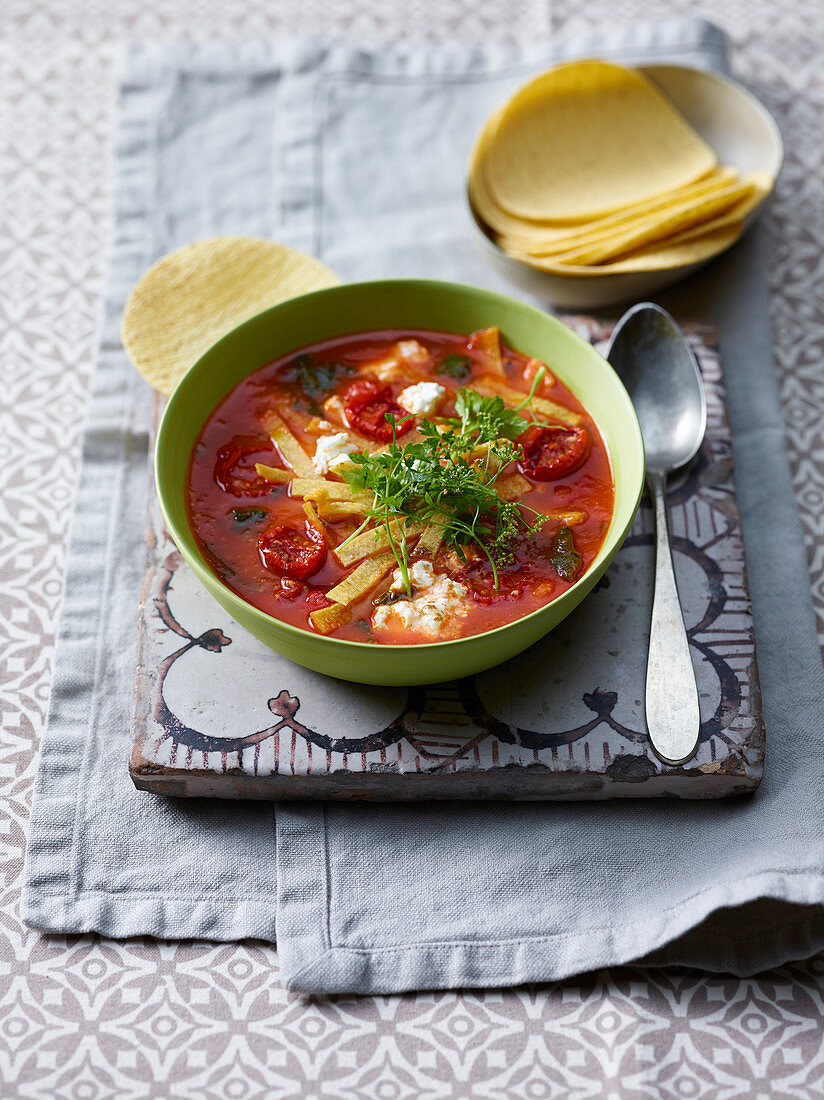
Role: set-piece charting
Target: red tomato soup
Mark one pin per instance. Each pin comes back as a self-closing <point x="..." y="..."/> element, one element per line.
<point x="400" y="487"/>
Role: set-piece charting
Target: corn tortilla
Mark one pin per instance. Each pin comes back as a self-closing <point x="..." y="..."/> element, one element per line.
<point x="650" y="213"/>
<point x="692" y="248"/>
<point x="672" y="221"/>
<point x="193" y="296"/>
<point x="586" y="138"/>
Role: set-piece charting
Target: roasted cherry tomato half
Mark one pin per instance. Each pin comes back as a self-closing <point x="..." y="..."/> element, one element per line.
<point x="235" y="467"/>
<point x="292" y="552"/>
<point x="367" y="401"/>
<point x="553" y="452"/>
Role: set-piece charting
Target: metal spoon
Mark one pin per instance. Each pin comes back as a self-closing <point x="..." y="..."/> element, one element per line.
<point x="655" y="363"/>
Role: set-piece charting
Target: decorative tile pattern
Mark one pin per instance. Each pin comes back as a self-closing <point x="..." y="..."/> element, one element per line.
<point x="216" y="712"/>
<point x="82" y="1017"/>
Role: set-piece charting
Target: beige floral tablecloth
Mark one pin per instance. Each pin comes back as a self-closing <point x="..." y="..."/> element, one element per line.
<point x="86" y="1018"/>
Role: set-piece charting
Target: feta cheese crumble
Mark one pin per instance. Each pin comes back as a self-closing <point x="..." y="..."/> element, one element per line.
<point x="421" y="575"/>
<point x="422" y="399"/>
<point x="412" y="351"/>
<point x="437" y="605"/>
<point x="332" y="451"/>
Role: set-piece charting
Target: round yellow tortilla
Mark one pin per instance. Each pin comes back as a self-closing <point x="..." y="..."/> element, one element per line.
<point x="652" y="212"/>
<point x="675" y="219"/>
<point x="679" y="251"/>
<point x="586" y="138"/>
<point x="193" y="296"/>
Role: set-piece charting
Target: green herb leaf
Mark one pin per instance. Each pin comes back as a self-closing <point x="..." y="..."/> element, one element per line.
<point x="437" y="481"/>
<point x="563" y="555"/>
<point x="455" y="366"/>
<point x="243" y="517"/>
<point x="311" y="382"/>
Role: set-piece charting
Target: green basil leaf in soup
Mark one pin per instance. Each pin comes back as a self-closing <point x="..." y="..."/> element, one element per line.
<point x="563" y="555"/>
<point x="249" y="517"/>
<point x="455" y="366"/>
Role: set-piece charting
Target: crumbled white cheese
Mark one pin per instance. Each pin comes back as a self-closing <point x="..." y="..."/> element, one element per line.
<point x="422" y="399"/>
<point x="434" y="610"/>
<point x="412" y="351"/>
<point x="421" y="575"/>
<point x="332" y="451"/>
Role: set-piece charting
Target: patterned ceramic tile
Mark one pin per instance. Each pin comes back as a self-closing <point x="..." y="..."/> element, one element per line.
<point x="82" y="1017"/>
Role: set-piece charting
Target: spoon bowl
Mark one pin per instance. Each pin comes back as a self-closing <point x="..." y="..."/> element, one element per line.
<point x="656" y="364"/>
<point x="653" y="360"/>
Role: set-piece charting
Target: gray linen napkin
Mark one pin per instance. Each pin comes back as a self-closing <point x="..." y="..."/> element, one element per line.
<point x="358" y="155"/>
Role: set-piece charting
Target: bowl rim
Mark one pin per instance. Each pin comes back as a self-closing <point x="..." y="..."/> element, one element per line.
<point x="187" y="544"/>
<point x="723" y="79"/>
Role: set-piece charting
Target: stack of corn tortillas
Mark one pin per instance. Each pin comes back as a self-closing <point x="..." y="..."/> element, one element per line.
<point x="589" y="169"/>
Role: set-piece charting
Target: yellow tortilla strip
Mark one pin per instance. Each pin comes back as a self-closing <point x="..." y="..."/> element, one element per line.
<point x="652" y="212"/>
<point x="487" y="341"/>
<point x="341" y="509"/>
<point x="673" y="221"/>
<point x="585" y="138"/>
<point x="568" y="518"/>
<point x="193" y="296"/>
<point x="490" y="386"/>
<point x="314" y="518"/>
<point x="371" y="542"/>
<point x="318" y="487"/>
<point x="513" y="486"/>
<point x="327" y="619"/>
<point x="273" y="473"/>
<point x="430" y="541"/>
<point x="362" y="579"/>
<point x="290" y="450"/>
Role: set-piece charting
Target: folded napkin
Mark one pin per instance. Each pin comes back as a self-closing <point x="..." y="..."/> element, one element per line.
<point x="358" y="155"/>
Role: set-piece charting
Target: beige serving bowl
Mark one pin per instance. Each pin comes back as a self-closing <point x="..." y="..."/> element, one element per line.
<point x="738" y="127"/>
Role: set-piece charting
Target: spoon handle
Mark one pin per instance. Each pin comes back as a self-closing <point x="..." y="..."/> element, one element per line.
<point x="673" y="716"/>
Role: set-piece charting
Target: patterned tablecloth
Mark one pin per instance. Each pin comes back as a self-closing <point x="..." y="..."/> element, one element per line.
<point x="89" y="1018"/>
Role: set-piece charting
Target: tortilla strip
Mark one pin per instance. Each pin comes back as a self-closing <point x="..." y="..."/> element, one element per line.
<point x="362" y="578"/>
<point x="491" y="387"/>
<point x="371" y="542"/>
<point x="533" y="366"/>
<point x="512" y="487"/>
<point x="430" y="541"/>
<point x="487" y="341"/>
<point x="274" y="473"/>
<point x="318" y="487"/>
<point x="290" y="450"/>
<point x="341" y="509"/>
<point x="569" y="518"/>
<point x="327" y="619"/>
<point x="314" y="518"/>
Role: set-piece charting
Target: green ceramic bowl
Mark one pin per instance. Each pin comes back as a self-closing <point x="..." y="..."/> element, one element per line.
<point x="397" y="303"/>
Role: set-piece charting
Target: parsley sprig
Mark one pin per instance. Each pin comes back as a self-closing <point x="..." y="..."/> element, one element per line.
<point x="449" y="479"/>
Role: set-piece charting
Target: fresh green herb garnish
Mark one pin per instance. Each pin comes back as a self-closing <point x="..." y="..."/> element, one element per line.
<point x="564" y="556"/>
<point x="455" y="366"/>
<point x="448" y="479"/>
<point x="244" y="516"/>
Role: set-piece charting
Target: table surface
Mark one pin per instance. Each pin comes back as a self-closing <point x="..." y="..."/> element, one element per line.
<point x="91" y="1018"/>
